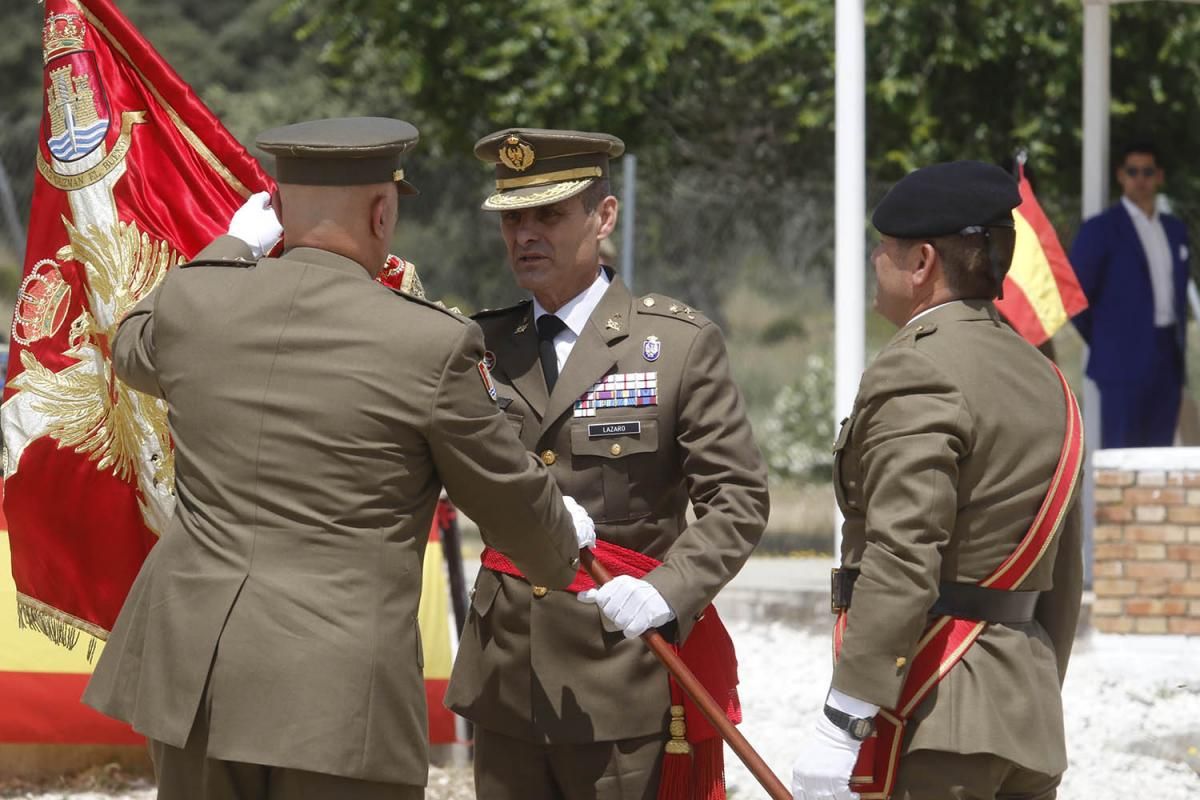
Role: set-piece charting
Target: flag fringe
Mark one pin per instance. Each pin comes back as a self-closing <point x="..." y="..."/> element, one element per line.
<point x="59" y="627"/>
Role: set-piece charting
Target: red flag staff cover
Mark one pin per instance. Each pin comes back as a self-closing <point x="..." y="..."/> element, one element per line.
<point x="134" y="175"/>
<point x="1041" y="291"/>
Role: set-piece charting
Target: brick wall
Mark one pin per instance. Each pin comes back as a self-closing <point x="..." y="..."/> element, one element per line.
<point x="1146" y="568"/>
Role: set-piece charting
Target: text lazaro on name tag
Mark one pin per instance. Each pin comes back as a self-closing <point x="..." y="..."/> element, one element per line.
<point x="603" y="430"/>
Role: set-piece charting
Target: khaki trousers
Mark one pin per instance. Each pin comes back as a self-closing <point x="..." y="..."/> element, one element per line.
<point x="936" y="775"/>
<point x="512" y="769"/>
<point x="189" y="774"/>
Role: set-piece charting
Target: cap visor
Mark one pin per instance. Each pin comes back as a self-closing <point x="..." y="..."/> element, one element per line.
<point x="533" y="196"/>
<point x="404" y="187"/>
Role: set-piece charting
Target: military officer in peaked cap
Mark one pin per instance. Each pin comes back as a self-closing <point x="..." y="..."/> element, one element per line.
<point x="629" y="401"/>
<point x="269" y="646"/>
<point x="956" y="473"/>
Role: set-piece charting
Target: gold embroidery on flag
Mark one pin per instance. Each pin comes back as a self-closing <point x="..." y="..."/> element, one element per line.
<point x="87" y="408"/>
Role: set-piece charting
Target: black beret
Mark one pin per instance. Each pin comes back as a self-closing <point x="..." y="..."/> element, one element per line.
<point x="947" y="198"/>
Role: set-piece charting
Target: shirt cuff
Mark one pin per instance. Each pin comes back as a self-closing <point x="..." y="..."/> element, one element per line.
<point x="851" y="705"/>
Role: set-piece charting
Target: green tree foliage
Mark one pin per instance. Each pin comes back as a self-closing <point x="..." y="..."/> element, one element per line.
<point x="748" y="84"/>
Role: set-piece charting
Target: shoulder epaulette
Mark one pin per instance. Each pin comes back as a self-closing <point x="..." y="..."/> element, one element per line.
<point x="909" y="335"/>
<point x="496" y="312"/>
<point x="436" y="305"/>
<point x="240" y="263"/>
<point x="663" y="306"/>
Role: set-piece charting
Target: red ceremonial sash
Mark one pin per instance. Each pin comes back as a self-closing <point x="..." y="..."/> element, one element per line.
<point x="708" y="653"/>
<point x="947" y="639"/>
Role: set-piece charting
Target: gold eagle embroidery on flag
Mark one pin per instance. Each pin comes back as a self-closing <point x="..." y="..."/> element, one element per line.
<point x="85" y="406"/>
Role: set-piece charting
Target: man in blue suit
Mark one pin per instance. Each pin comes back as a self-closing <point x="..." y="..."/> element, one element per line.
<point x="1132" y="262"/>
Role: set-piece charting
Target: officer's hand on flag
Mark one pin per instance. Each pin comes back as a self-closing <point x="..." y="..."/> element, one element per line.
<point x="630" y="604"/>
<point x="256" y="224"/>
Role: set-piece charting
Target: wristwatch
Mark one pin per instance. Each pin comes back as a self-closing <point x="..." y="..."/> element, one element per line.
<point x="858" y="728"/>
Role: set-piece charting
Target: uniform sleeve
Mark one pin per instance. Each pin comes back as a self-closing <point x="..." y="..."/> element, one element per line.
<point x="133" y="346"/>
<point x="1089" y="257"/>
<point x="1058" y="609"/>
<point x="492" y="478"/>
<point x="726" y="480"/>
<point x="910" y="430"/>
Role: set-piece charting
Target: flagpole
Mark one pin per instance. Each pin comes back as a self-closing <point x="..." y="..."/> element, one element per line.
<point x="699" y="695"/>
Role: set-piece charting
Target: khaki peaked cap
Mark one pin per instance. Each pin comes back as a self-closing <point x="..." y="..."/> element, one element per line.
<point x="538" y="166"/>
<point x="343" y="151"/>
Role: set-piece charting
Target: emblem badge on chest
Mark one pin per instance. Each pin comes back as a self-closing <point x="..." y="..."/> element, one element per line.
<point x="651" y="348"/>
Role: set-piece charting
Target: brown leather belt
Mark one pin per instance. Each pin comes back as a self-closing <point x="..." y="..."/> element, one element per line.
<point x="961" y="600"/>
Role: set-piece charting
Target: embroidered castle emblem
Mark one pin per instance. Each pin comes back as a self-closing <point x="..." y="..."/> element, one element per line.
<point x="76" y="106"/>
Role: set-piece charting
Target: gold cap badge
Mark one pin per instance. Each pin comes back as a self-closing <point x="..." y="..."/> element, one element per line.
<point x="516" y="154"/>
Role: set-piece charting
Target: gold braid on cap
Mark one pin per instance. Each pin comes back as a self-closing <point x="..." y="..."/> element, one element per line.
<point x="548" y="177"/>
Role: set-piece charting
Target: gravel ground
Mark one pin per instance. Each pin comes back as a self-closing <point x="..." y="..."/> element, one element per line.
<point x="1133" y="717"/>
<point x="1132" y="705"/>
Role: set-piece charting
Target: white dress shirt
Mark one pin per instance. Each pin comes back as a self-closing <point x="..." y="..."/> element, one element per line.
<point x="1158" y="256"/>
<point x="575" y="313"/>
<point x="926" y="311"/>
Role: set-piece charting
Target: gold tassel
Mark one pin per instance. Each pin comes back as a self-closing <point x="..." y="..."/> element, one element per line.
<point x="54" y="625"/>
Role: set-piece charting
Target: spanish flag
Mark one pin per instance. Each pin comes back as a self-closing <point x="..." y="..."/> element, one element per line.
<point x="1041" y="292"/>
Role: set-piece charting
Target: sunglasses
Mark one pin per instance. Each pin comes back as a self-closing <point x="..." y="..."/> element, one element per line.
<point x="1145" y="172"/>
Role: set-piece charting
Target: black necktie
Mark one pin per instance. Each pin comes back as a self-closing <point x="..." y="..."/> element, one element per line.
<point x="549" y="326"/>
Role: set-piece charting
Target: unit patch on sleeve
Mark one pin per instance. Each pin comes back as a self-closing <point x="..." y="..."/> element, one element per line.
<point x="619" y="390"/>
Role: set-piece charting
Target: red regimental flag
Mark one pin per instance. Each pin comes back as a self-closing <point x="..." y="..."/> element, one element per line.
<point x="1041" y="292"/>
<point x="134" y="175"/>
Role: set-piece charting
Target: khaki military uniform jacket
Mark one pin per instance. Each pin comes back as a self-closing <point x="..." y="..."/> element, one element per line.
<point x="939" y="471"/>
<point x="542" y="668"/>
<point x="316" y="417"/>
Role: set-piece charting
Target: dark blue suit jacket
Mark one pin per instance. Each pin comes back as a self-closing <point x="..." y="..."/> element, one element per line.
<point x="1118" y="324"/>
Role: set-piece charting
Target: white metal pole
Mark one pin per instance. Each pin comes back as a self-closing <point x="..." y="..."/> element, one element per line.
<point x="850" y="200"/>
<point x="628" y="217"/>
<point x="1097" y="49"/>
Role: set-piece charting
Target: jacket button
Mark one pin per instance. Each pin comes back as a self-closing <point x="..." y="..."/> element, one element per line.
<point x="900" y="662"/>
<point x="549" y="457"/>
<point x="648" y="302"/>
<point x="615" y="449"/>
<point x="540" y="591"/>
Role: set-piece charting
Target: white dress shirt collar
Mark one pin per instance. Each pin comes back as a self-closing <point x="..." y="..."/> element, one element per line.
<point x="578" y="310"/>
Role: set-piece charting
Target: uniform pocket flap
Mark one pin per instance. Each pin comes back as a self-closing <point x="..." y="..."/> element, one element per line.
<point x="843" y="434"/>
<point x="516" y="421"/>
<point x="487" y="586"/>
<point x="614" y="438"/>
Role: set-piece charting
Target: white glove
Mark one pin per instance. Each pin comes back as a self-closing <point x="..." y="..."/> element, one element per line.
<point x="255" y="224"/>
<point x="822" y="770"/>
<point x="585" y="529"/>
<point x="632" y="604"/>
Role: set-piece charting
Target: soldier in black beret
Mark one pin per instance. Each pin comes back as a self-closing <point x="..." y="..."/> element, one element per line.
<point x="961" y="571"/>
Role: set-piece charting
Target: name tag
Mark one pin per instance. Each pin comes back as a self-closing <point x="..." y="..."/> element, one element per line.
<point x="604" y="430"/>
